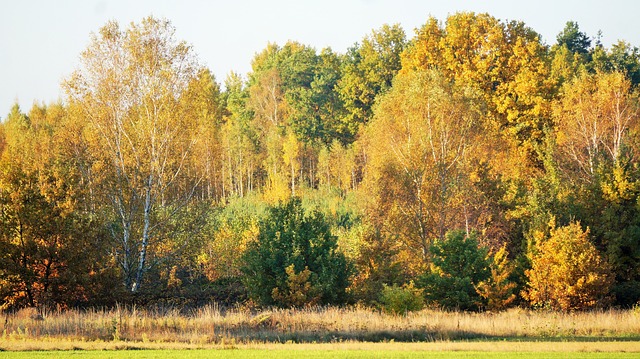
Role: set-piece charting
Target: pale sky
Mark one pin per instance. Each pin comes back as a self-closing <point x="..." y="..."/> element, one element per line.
<point x="41" y="40"/>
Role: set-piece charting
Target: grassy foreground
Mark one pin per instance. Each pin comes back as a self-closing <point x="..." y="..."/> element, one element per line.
<point x="318" y="333"/>
<point x="257" y="354"/>
<point x="352" y="350"/>
<point x="214" y="325"/>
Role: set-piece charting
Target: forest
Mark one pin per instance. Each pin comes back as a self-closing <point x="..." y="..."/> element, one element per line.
<point x="466" y="166"/>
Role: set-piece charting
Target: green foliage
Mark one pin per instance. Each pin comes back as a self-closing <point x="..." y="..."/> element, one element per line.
<point x="474" y="123"/>
<point x="575" y="40"/>
<point x="295" y="260"/>
<point x="624" y="58"/>
<point x="226" y="236"/>
<point x="613" y="215"/>
<point x="368" y="71"/>
<point x="400" y="300"/>
<point x="459" y="265"/>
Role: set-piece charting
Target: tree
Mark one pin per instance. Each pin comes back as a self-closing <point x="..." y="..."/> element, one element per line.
<point x="419" y="146"/>
<point x="377" y="265"/>
<point x="567" y="272"/>
<point x="316" y="105"/>
<point x="459" y="266"/>
<point x="43" y="243"/>
<point x="291" y="158"/>
<point x="229" y="232"/>
<point x="597" y="122"/>
<point x="626" y="59"/>
<point x="202" y="103"/>
<point x="240" y="141"/>
<point x="612" y="213"/>
<point x="400" y="300"/>
<point x="3" y="136"/>
<point x="367" y="71"/>
<point x="44" y="232"/>
<point x="506" y="64"/>
<point x="565" y="65"/>
<point x="498" y="291"/>
<point x="295" y="260"/>
<point x="574" y="40"/>
<point x="131" y="87"/>
<point x="594" y="117"/>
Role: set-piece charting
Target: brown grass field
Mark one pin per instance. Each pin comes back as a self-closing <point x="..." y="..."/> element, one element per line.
<point x="351" y="328"/>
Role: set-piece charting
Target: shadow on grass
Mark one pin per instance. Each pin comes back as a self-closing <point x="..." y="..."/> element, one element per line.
<point x="408" y="336"/>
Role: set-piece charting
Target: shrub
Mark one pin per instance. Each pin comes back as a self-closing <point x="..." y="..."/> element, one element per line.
<point x="498" y="290"/>
<point x="400" y="300"/>
<point x="567" y="272"/>
<point x="298" y="292"/>
<point x="377" y="264"/>
<point x="295" y="260"/>
<point x="458" y="266"/>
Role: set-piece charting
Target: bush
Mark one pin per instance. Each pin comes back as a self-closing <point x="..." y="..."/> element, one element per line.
<point x="377" y="264"/>
<point x="498" y="290"/>
<point x="458" y="266"/>
<point x="567" y="272"/>
<point x="295" y="260"/>
<point x="627" y="294"/>
<point x="400" y="300"/>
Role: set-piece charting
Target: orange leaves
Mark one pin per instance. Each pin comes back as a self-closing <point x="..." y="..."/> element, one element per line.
<point x="418" y="146"/>
<point x="567" y="271"/>
<point x="498" y="290"/>
<point x="504" y="63"/>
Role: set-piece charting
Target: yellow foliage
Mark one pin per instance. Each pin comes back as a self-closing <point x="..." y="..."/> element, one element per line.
<point x="299" y="291"/>
<point x="419" y="147"/>
<point x="593" y="119"/>
<point x="503" y="62"/>
<point x="567" y="272"/>
<point x="620" y="187"/>
<point x="499" y="290"/>
<point x="222" y="257"/>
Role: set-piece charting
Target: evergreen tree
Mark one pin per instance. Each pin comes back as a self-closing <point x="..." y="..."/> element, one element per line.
<point x="295" y="260"/>
<point x="459" y="266"/>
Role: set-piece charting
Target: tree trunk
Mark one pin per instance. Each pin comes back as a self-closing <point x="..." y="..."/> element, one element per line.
<point x="145" y="238"/>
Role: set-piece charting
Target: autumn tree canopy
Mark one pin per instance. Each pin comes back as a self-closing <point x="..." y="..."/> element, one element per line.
<point x="133" y="88"/>
<point x="153" y="183"/>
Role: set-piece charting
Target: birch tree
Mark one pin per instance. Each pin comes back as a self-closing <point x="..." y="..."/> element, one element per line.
<point x="594" y="118"/>
<point x="129" y="88"/>
<point x="419" y="145"/>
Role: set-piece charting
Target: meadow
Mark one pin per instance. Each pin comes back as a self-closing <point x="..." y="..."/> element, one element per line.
<point x="326" y="328"/>
<point x="319" y="354"/>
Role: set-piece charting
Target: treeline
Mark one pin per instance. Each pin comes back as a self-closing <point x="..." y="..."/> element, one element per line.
<point x="471" y="166"/>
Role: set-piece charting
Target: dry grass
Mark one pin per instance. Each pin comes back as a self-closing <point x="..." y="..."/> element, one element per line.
<point x="214" y="327"/>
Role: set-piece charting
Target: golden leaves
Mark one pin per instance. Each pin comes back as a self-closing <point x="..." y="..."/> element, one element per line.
<point x="567" y="272"/>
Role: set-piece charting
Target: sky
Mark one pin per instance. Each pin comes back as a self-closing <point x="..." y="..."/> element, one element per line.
<point x="41" y="40"/>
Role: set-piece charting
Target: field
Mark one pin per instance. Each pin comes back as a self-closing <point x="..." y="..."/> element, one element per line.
<point x="369" y="350"/>
<point x="318" y="333"/>
<point x="361" y="350"/>
<point x="215" y="325"/>
<point x="320" y="354"/>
